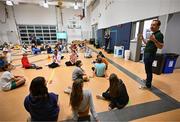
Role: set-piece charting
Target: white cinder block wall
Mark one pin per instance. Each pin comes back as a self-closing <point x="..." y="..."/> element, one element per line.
<point x="122" y="11"/>
<point x="7" y="26"/>
<point x="35" y="14"/>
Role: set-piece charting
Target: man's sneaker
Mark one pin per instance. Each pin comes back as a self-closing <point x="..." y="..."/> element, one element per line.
<point x="143" y="87"/>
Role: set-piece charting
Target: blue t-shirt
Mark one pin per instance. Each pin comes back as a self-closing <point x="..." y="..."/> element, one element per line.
<point x="100" y="69"/>
<point x="42" y="110"/>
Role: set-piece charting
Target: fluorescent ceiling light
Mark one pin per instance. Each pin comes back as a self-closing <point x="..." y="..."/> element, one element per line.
<point x="76" y="7"/>
<point x="45" y="4"/>
<point x="9" y="3"/>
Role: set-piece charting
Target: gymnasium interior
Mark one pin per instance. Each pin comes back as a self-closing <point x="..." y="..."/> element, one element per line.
<point x="84" y="24"/>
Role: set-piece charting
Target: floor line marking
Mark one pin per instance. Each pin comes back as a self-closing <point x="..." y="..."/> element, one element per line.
<point x="51" y="76"/>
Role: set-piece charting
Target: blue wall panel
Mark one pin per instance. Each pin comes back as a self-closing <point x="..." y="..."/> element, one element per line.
<point x="119" y="36"/>
<point x="122" y="36"/>
<point x="100" y="37"/>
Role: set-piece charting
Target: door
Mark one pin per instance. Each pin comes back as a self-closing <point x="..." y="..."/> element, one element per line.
<point x="113" y="39"/>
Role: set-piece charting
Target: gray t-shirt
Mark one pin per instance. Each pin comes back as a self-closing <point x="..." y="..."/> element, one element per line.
<point x="77" y="73"/>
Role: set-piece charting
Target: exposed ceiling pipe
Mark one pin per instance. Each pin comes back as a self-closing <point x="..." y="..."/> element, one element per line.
<point x="60" y="5"/>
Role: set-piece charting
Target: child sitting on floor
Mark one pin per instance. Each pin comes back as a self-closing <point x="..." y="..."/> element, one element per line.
<point x="100" y="69"/>
<point x="78" y="73"/>
<point x="116" y="93"/>
<point x="35" y="50"/>
<point x="57" y="57"/>
<point x="25" y="49"/>
<point x="81" y="102"/>
<point x="41" y="105"/>
<point x="26" y="64"/>
<point x="8" y="81"/>
<point x="73" y="59"/>
<point x="7" y="55"/>
<point x="2" y="62"/>
<point x="88" y="53"/>
<point x="49" y="49"/>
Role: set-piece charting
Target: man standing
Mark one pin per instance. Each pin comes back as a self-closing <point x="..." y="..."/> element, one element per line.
<point x="106" y="38"/>
<point x="154" y="42"/>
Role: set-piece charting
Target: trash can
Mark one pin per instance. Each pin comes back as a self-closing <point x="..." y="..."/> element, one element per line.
<point x="170" y="62"/>
<point x="127" y="55"/>
<point x="118" y="51"/>
<point x="158" y="64"/>
<point x="92" y="41"/>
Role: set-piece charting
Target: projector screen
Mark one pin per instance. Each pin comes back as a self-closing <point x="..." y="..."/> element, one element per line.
<point x="61" y="35"/>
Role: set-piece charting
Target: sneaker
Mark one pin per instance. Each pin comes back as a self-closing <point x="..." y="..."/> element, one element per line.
<point x="38" y="68"/>
<point x="143" y="87"/>
<point x="109" y="108"/>
<point x="67" y="91"/>
<point x="100" y="97"/>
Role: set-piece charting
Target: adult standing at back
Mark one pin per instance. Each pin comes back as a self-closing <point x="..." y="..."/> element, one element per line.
<point x="106" y="38"/>
<point x="154" y="42"/>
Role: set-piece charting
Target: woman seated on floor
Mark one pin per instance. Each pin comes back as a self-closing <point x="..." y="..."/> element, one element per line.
<point x="26" y="64"/>
<point x="73" y="59"/>
<point x="100" y="69"/>
<point x="116" y="93"/>
<point x="8" y="81"/>
<point x="81" y="102"/>
<point x="41" y="105"/>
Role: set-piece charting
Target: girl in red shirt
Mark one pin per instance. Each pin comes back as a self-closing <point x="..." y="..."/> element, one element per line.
<point x="26" y="64"/>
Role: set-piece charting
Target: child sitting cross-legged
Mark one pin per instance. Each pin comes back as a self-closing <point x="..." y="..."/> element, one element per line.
<point x="26" y="64"/>
<point x="116" y="93"/>
<point x="8" y="81"/>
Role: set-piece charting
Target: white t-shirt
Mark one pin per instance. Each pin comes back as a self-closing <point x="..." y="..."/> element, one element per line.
<point x="59" y="56"/>
<point x="5" y="80"/>
<point x="88" y="53"/>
